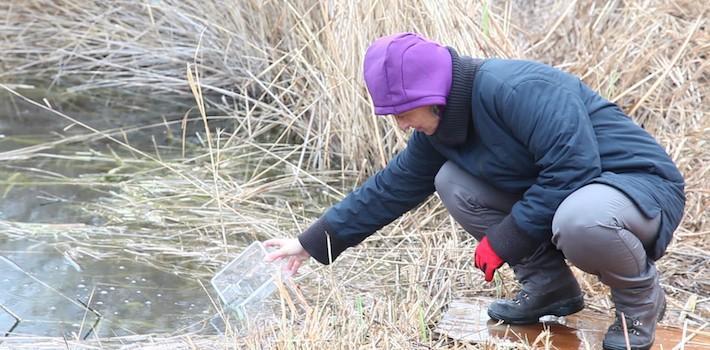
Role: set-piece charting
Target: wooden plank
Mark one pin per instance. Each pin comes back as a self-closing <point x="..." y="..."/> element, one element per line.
<point x="468" y="321"/>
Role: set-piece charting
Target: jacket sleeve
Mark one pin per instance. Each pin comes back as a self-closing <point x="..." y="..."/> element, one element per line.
<point x="404" y="183"/>
<point x="553" y="123"/>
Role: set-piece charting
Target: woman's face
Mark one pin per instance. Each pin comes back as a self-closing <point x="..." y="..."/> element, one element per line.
<point x="421" y="119"/>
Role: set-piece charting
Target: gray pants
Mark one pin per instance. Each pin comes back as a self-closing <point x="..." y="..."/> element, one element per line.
<point x="597" y="228"/>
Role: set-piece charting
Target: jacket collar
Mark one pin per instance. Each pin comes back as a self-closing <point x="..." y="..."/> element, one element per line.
<point x="456" y="116"/>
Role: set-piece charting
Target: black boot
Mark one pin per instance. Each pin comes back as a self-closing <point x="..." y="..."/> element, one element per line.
<point x="548" y="288"/>
<point x="642" y="307"/>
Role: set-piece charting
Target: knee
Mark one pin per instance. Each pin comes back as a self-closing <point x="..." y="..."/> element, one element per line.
<point x="448" y="190"/>
<point x="597" y="243"/>
<point x="577" y="222"/>
<point x="583" y="232"/>
<point x="568" y="224"/>
<point x="589" y="230"/>
<point x="592" y="212"/>
<point x="572" y="233"/>
<point x="454" y="195"/>
<point x="442" y="181"/>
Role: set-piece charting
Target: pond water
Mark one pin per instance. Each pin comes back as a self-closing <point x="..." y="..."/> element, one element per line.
<point x="45" y="291"/>
<point x="53" y="294"/>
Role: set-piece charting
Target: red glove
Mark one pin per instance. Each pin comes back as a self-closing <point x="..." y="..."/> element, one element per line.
<point x="486" y="259"/>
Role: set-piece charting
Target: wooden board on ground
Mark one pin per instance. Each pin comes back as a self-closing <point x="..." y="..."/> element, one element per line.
<point x="467" y="320"/>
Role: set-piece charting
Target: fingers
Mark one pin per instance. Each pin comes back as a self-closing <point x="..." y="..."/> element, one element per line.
<point x="287" y="248"/>
<point x="275" y="243"/>
<point x="281" y="251"/>
<point x="489" y="273"/>
<point x="291" y="267"/>
<point x="296" y="265"/>
<point x="276" y="255"/>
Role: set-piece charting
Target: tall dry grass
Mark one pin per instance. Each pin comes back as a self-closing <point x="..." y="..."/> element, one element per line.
<point x="288" y="74"/>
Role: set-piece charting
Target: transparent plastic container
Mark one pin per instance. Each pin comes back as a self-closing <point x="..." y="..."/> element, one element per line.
<point x="247" y="281"/>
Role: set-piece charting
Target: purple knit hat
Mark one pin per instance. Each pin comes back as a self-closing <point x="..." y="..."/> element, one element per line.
<point x="405" y="71"/>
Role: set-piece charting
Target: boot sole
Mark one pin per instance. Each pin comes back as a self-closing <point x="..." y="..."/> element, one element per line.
<point x="613" y="347"/>
<point x="642" y="347"/>
<point x="561" y="308"/>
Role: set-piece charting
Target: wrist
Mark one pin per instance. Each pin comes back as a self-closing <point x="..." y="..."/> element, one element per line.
<point x="319" y="242"/>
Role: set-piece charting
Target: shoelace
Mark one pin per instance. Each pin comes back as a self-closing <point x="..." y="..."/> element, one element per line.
<point x="631" y="324"/>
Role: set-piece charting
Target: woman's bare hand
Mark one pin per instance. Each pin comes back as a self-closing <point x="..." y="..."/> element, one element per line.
<point x="287" y="248"/>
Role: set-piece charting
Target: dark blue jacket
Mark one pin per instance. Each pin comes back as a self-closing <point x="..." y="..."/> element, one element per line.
<point x="536" y="130"/>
